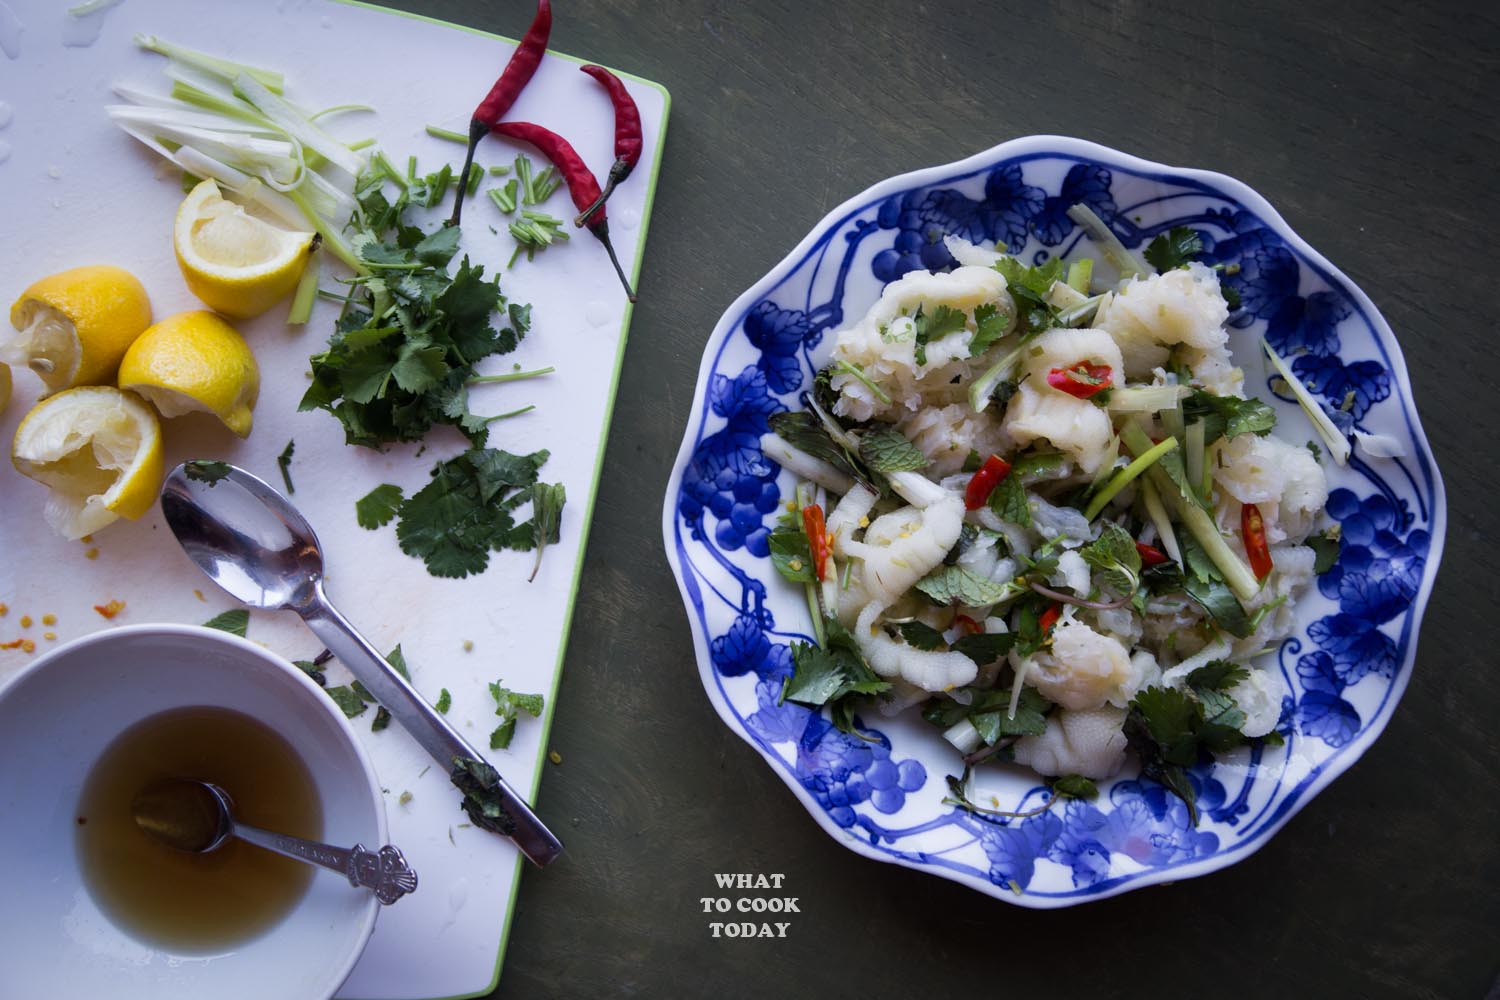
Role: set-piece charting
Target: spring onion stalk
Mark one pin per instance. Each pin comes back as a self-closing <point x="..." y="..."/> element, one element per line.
<point x="964" y="736"/>
<point x="1193" y="457"/>
<point x="1146" y="398"/>
<point x="1163" y="524"/>
<point x="982" y="388"/>
<point x="1127" y="475"/>
<point x="447" y="133"/>
<point x="1337" y="445"/>
<point x="1081" y="313"/>
<point x="92" y="7"/>
<point x="1172" y="421"/>
<point x="307" y="290"/>
<point x="1197" y="520"/>
<point x="814" y="594"/>
<point x="1106" y="467"/>
<point x="856" y="372"/>
<point x="511" y="376"/>
<point x="1127" y="263"/>
<point x="1062" y="296"/>
<point x="225" y="68"/>
<point x="1081" y="274"/>
<point x="331" y="238"/>
<point x="472" y="184"/>
<point x="1210" y="459"/>
<point x="297" y="126"/>
<point x="340" y="109"/>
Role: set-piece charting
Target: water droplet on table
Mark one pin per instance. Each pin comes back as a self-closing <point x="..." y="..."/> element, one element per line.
<point x="10" y="31"/>
<point x="4" y="150"/>
<point x="597" y="312"/>
<point x="629" y="218"/>
<point x="7" y="113"/>
<point x="54" y="172"/>
<point x="82" y="30"/>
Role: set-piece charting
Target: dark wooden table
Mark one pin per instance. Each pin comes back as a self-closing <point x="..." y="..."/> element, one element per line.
<point x="1371" y="127"/>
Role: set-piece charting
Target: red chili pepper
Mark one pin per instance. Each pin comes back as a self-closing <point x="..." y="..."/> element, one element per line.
<point x="518" y="72"/>
<point x="1253" y="527"/>
<point x="1081" y="380"/>
<point x="817" y="538"/>
<point x="582" y="186"/>
<point x="627" y="135"/>
<point x="1049" y="617"/>
<point x="1150" y="556"/>
<point x="969" y="625"/>
<point x="984" y="482"/>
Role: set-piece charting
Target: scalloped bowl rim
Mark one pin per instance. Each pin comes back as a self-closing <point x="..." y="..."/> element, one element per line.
<point x="1092" y="151"/>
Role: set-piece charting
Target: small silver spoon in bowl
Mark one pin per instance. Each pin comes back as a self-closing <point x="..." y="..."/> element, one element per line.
<point x="252" y="542"/>
<point x="198" y="817"/>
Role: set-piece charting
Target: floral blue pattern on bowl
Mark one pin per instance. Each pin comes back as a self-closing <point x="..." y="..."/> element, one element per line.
<point x="884" y="796"/>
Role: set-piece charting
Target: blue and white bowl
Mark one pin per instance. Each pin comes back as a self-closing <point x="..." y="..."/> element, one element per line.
<point x="1345" y="668"/>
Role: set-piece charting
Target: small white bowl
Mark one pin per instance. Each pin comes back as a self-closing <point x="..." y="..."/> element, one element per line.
<point x="55" y="720"/>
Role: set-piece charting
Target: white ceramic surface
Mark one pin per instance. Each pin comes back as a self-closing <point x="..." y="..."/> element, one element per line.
<point x="55" y="720"/>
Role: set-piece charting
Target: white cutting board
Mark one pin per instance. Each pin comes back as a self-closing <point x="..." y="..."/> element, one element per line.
<point x="78" y="191"/>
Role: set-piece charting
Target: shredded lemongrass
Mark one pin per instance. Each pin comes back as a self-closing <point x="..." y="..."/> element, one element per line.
<point x="1379" y="445"/>
<point x="856" y="372"/>
<point x="227" y="69"/>
<point x="1077" y="315"/>
<point x="1108" y="243"/>
<point x="963" y="736"/>
<point x="982" y="388"/>
<point x="1146" y="398"/>
<point x="1063" y="296"/>
<point x="1126" y="476"/>
<point x="1192" y="456"/>
<point x="1338" y="445"/>
<point x="307" y="290"/>
<point x="1159" y="520"/>
<point x="1081" y="274"/>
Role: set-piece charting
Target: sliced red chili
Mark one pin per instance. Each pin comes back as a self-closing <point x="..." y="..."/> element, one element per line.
<point x="817" y="538"/>
<point x="1253" y="527"/>
<point x="969" y="625"/>
<point x="1082" y="380"/>
<point x="1150" y="555"/>
<point x="1049" y="617"/>
<point x="983" y="482"/>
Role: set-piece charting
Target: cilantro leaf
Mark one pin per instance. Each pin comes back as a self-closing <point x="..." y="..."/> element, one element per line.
<point x="1169" y="730"/>
<point x="1028" y="287"/>
<point x="206" y="471"/>
<point x="831" y="675"/>
<point x="990" y="325"/>
<point x="988" y="711"/>
<point x="1228" y="416"/>
<point x="508" y="706"/>
<point x="376" y="508"/>
<point x="1114" y="554"/>
<point x="1008" y="500"/>
<point x="885" y="449"/>
<point x="1174" y="248"/>
<point x="235" y="621"/>
<point x="959" y="586"/>
<point x="934" y="326"/>
<point x="1217" y="675"/>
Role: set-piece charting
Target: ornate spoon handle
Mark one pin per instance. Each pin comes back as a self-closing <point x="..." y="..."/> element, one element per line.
<point x="385" y="871"/>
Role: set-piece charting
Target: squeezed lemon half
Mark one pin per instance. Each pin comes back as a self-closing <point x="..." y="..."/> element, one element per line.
<point x="238" y="263"/>
<point x="194" y="361"/>
<point x="74" y="326"/>
<point x="97" y="450"/>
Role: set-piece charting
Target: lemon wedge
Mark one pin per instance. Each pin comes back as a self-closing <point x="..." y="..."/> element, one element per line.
<point x="74" y="326"/>
<point x="98" y="450"/>
<point x="236" y="262"/>
<point x="194" y="361"/>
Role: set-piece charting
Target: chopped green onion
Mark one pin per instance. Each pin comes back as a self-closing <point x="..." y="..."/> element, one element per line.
<point x="1126" y="476"/>
<point x="447" y="133"/>
<point x="1338" y="445"/>
<point x="1158" y="515"/>
<point x="1081" y="274"/>
<point x="307" y="290"/>
<point x="1108" y="243"/>
<point x="475" y="173"/>
<point x="523" y="173"/>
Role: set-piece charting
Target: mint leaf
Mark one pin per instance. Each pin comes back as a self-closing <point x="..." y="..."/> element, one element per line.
<point x="344" y="697"/>
<point x="508" y="706"/>
<point x="1008" y="500"/>
<point x="1114" y="554"/>
<point x="376" y="508"/>
<point x="887" y="450"/>
<point x="236" y="621"/>
<point x="1075" y="786"/>
<point x="956" y="585"/>
<point x="206" y="471"/>
<point x="444" y="702"/>
<point x="397" y="659"/>
<point x="791" y="556"/>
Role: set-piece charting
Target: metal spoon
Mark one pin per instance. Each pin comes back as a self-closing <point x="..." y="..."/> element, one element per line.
<point x="198" y="817"/>
<point x="255" y="545"/>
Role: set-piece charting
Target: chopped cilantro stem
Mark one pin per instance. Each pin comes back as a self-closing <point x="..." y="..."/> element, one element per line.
<point x="1127" y="263"/>
<point x="511" y="376"/>
<point x="513" y="413"/>
<point x="858" y="373"/>
<point x="499" y="170"/>
<point x="504" y="199"/>
<point x="385" y="167"/>
<point x="476" y="173"/>
<point x="1126" y="476"/>
<point x="1237" y="575"/>
<point x="447" y="133"/>
<point x="1146" y="398"/>
<point x="307" y="290"/>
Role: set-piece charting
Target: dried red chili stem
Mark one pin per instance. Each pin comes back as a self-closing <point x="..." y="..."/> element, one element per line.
<point x="517" y="73"/>
<point x="583" y="188"/>
<point x="628" y="142"/>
